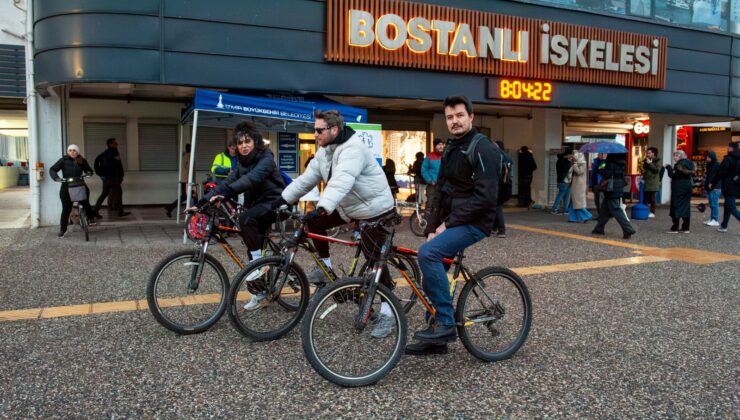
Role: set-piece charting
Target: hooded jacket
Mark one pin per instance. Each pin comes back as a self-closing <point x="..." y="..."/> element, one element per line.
<point x="651" y="174"/>
<point x="527" y="165"/>
<point x="70" y="169"/>
<point x="727" y="170"/>
<point x="356" y="186"/>
<point x="613" y="168"/>
<point x="712" y="169"/>
<point x="256" y="176"/>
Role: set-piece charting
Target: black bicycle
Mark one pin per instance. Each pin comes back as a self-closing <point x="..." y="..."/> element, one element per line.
<point x="78" y="194"/>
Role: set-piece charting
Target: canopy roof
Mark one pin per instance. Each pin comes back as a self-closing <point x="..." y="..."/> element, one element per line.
<point x="225" y="110"/>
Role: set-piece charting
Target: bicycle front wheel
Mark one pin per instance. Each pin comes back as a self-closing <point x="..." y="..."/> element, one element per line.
<point x="257" y="315"/>
<point x="417" y="223"/>
<point x="337" y="349"/>
<point x="185" y="295"/>
<point x="494" y="314"/>
<point x="84" y="224"/>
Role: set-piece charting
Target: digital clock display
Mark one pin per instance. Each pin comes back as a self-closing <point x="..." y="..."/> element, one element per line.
<point x="520" y="90"/>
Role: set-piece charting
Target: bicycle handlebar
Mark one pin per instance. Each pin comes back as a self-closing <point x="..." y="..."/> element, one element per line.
<point x="72" y="179"/>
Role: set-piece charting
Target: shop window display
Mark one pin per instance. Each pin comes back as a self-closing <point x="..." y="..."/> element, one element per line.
<point x="401" y="147"/>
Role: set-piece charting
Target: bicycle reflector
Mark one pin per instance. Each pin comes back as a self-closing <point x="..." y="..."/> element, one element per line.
<point x="196" y="227"/>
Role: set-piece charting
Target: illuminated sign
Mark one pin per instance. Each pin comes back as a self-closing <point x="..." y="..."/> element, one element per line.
<point x="426" y="36"/>
<point x="520" y="90"/>
<point x="642" y="128"/>
<point x="712" y="129"/>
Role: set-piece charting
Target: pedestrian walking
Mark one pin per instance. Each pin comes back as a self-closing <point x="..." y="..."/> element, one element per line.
<point x="612" y="186"/>
<point x="499" y="225"/>
<point x="578" y="213"/>
<point x="595" y="180"/>
<point x="681" y="174"/>
<point x="390" y="175"/>
<point x="419" y="183"/>
<point x="430" y="167"/>
<point x="109" y="168"/>
<point x="713" y="191"/>
<point x="651" y="176"/>
<point x="562" y="167"/>
<point x="526" y="168"/>
<point x="729" y="175"/>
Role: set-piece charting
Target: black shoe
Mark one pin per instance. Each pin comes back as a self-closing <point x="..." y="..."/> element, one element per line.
<point x="124" y="214"/>
<point x="627" y="235"/>
<point x="61" y="234"/>
<point x="421" y="348"/>
<point x="597" y="232"/>
<point x="437" y="334"/>
<point x="168" y="210"/>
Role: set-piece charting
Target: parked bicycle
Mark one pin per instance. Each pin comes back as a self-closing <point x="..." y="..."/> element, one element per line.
<point x="493" y="317"/>
<point x="187" y="290"/>
<point x="417" y="219"/>
<point x="78" y="194"/>
<point x="287" y="286"/>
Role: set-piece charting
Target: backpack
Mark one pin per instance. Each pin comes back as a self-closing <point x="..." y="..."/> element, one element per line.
<point x="504" y="179"/>
<point x="100" y="166"/>
<point x="736" y="177"/>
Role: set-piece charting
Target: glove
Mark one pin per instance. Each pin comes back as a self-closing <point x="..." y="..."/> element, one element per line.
<point x="314" y="214"/>
<point x="279" y="202"/>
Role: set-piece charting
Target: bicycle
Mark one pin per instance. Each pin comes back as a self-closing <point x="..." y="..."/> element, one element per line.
<point x="187" y="290"/>
<point x="417" y="220"/>
<point x="78" y="194"/>
<point x="287" y="286"/>
<point x="493" y="316"/>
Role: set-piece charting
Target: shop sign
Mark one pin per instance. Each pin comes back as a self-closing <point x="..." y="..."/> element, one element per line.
<point x="288" y="152"/>
<point x="712" y="129"/>
<point x="642" y="128"/>
<point x="418" y="35"/>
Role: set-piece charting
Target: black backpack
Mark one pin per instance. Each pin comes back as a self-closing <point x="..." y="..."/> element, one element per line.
<point x="101" y="167"/>
<point x="504" y="179"/>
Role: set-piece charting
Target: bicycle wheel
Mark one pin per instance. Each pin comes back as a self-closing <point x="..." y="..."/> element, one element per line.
<point x="340" y="352"/>
<point x="417" y="223"/>
<point x="178" y="306"/>
<point x="276" y="316"/>
<point x="84" y="224"/>
<point x="397" y="265"/>
<point x="494" y="314"/>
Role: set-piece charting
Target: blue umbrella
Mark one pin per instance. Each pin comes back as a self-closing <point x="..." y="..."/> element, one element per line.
<point x="603" y="147"/>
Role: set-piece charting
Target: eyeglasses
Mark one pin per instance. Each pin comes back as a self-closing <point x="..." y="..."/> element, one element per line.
<point x="243" y="140"/>
<point x="319" y="130"/>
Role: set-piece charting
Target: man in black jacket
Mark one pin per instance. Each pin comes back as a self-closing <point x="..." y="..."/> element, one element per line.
<point x="729" y="174"/>
<point x="110" y="169"/>
<point x="461" y="213"/>
<point x="527" y="166"/>
<point x="612" y="174"/>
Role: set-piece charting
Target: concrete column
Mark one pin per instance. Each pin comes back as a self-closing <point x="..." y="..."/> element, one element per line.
<point x="51" y="149"/>
<point x="547" y="134"/>
<point x="663" y="137"/>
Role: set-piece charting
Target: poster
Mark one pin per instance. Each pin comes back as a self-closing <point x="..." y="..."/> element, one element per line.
<point x="288" y="152"/>
<point x="371" y="135"/>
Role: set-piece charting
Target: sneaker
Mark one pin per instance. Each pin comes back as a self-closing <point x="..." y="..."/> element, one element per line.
<point x="382" y="326"/>
<point x="254" y="275"/>
<point x="316" y="276"/>
<point x="256" y="301"/>
<point x="651" y="216"/>
<point x="721" y="229"/>
<point x="684" y="231"/>
<point x="92" y="222"/>
<point x="712" y="223"/>
<point x="555" y="213"/>
<point x="672" y="231"/>
<point x="62" y="232"/>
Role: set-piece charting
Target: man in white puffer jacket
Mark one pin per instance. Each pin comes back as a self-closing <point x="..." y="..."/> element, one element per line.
<point x="356" y="189"/>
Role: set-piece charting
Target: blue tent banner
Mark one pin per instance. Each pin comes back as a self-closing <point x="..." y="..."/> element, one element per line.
<point x="299" y="110"/>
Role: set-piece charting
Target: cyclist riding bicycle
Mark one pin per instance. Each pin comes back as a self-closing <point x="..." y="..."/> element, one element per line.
<point x="257" y="176"/>
<point x="356" y="189"/>
<point x="461" y="212"/>
<point x="73" y="166"/>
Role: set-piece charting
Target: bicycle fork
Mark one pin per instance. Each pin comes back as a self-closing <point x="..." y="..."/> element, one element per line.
<point x="196" y="274"/>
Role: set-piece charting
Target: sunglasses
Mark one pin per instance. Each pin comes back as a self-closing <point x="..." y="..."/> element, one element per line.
<point x="320" y="130"/>
<point x="244" y="140"/>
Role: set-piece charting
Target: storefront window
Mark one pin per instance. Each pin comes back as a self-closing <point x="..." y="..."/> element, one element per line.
<point x="735" y="16"/>
<point x="401" y="147"/>
<point x="708" y="14"/>
<point x="640" y="7"/>
<point x="610" y="6"/>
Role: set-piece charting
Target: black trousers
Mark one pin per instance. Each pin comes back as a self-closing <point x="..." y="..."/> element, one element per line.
<point x="113" y="191"/>
<point x="254" y="224"/>
<point x="499" y="225"/>
<point x="525" y="191"/>
<point x="67" y="206"/>
<point x="597" y="197"/>
<point x="651" y="199"/>
<point x="684" y="226"/>
<point x="611" y="207"/>
<point x="372" y="240"/>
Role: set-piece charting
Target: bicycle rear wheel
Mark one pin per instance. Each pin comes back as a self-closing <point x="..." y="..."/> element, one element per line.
<point x="340" y="352"/>
<point x="494" y="314"/>
<point x="183" y="298"/>
<point x="84" y="223"/>
<point x="398" y="265"/>
<point x="275" y="317"/>
<point x="418" y="223"/>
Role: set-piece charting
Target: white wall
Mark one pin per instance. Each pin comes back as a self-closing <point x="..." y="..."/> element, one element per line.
<point x="13" y="20"/>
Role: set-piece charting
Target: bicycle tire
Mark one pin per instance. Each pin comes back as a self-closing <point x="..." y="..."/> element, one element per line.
<point x="270" y="310"/>
<point x="344" y="292"/>
<point x="410" y="263"/>
<point x="417" y="224"/>
<point x="164" y="317"/>
<point x="515" y="293"/>
<point x="84" y="223"/>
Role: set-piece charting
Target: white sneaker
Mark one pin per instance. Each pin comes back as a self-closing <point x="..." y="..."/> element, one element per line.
<point x="256" y="301"/>
<point x="721" y="229"/>
<point x="712" y="223"/>
<point x="383" y="326"/>
<point x="651" y="216"/>
<point x="254" y="275"/>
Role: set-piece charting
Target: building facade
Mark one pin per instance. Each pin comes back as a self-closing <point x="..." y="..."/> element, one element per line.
<point x="106" y="68"/>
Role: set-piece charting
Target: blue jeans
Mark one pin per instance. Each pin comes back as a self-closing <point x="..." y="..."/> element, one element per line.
<point x="730" y="209"/>
<point x="436" y="285"/>
<point x="713" y="197"/>
<point x="563" y="193"/>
